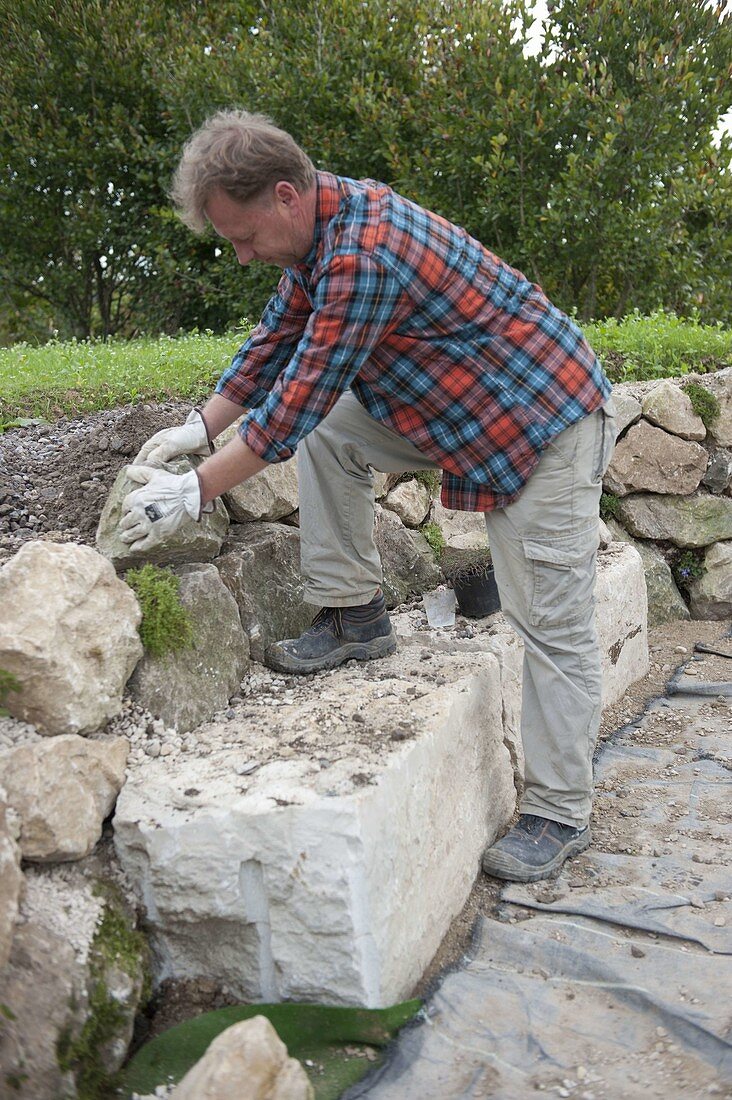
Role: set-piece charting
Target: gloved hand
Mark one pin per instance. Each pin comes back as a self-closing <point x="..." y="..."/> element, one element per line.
<point x="190" y="438"/>
<point x="159" y="507"/>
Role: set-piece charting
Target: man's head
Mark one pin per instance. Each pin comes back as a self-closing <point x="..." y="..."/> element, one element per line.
<point x="252" y="183"/>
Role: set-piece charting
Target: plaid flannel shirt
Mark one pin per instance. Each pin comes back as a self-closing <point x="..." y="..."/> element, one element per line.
<point x="438" y="338"/>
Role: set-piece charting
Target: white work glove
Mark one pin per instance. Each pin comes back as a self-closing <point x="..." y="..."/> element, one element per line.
<point x="159" y="507"/>
<point x="190" y="438"/>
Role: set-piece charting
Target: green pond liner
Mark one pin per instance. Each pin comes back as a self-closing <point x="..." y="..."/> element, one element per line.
<point x="342" y="1044"/>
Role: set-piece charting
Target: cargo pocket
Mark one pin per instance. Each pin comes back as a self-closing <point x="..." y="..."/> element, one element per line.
<point x="562" y="570"/>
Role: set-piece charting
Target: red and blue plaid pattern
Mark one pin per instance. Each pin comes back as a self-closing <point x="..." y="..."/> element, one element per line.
<point x="437" y="337"/>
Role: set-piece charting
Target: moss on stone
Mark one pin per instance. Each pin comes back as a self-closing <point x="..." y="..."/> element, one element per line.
<point x="166" y="626"/>
<point x="8" y="683"/>
<point x="703" y="402"/>
<point x="435" y="538"/>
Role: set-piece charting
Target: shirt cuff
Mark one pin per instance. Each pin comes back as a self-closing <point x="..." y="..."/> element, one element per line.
<point x="263" y="445"/>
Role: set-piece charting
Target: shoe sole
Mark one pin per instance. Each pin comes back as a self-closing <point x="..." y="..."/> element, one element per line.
<point x="501" y="865"/>
<point x="349" y="651"/>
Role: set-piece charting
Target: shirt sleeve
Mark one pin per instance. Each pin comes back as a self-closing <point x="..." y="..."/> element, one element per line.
<point x="269" y="347"/>
<point x="357" y="302"/>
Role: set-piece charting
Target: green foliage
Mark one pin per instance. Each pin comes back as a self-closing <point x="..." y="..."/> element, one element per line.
<point x="431" y="479"/>
<point x="8" y="683"/>
<point x="704" y="403"/>
<point x="435" y="537"/>
<point x="687" y="567"/>
<point x="660" y="345"/>
<point x="609" y="506"/>
<point x="166" y="626"/>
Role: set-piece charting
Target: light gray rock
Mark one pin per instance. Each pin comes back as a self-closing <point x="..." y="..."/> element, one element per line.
<point x="62" y="789"/>
<point x="411" y="502"/>
<point x="719" y="471"/>
<point x="665" y="602"/>
<point x="192" y="542"/>
<point x="11" y="880"/>
<point x="247" y="1061"/>
<point x="628" y="409"/>
<point x="189" y="686"/>
<point x="409" y="566"/>
<point x="69" y="634"/>
<point x="269" y="495"/>
<point x="621" y="611"/>
<point x="697" y="520"/>
<point x="720" y="384"/>
<point x="461" y="530"/>
<point x="260" y="566"/>
<point x="711" y="594"/>
<point x="651" y="460"/>
<point x="669" y="407"/>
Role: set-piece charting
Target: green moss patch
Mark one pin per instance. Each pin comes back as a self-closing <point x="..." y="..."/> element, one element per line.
<point x="703" y="402"/>
<point x="166" y="626"/>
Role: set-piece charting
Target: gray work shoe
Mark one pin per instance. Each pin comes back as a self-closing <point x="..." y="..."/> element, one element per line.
<point x="336" y="635"/>
<point x="534" y="848"/>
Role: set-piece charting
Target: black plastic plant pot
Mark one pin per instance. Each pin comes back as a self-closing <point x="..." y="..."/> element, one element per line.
<point x="477" y="593"/>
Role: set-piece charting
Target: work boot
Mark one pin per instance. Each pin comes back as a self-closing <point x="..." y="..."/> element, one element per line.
<point x="534" y="848"/>
<point x="336" y="634"/>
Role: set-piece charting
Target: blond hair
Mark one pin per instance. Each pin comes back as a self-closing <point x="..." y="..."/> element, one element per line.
<point x="241" y="154"/>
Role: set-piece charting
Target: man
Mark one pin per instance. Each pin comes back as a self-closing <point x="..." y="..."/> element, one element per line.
<point x="396" y="341"/>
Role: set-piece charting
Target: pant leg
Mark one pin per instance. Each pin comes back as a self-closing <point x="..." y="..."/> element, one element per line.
<point x="340" y="564"/>
<point x="544" y="548"/>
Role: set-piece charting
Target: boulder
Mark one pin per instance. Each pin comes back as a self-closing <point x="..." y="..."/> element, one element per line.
<point x="408" y="564"/>
<point x="260" y="566"/>
<point x="69" y="1017"/>
<point x="69" y="634"/>
<point x="62" y="789"/>
<point x="187" y="687"/>
<point x="719" y="471"/>
<point x="247" y="1061"/>
<point x="11" y="879"/>
<point x="720" y="384"/>
<point x="192" y="542"/>
<point x="697" y="520"/>
<point x="628" y="409"/>
<point x="411" y="502"/>
<point x="665" y="602"/>
<point x="461" y="530"/>
<point x="621" y="610"/>
<point x="269" y="495"/>
<point x="669" y="407"/>
<point x="649" y="459"/>
<point x="711" y="594"/>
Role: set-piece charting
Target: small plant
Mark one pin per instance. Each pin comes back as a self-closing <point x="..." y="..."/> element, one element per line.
<point x="688" y="567"/>
<point x="458" y="565"/>
<point x="609" y="506"/>
<point x="703" y="402"/>
<point x="430" y="479"/>
<point x="8" y="683"/>
<point x="166" y="626"/>
<point x="435" y="538"/>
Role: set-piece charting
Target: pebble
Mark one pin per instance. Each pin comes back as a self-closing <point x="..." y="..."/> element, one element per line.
<point x="719" y="922"/>
<point x="637" y="952"/>
<point x="152" y="748"/>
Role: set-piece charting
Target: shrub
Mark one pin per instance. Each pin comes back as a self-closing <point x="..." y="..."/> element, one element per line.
<point x="166" y="626"/>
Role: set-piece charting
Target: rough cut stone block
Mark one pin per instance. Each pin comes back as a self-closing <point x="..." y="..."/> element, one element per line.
<point x="669" y="407"/>
<point x="651" y="460"/>
<point x="62" y="789"/>
<point x="269" y="495"/>
<point x="665" y="602"/>
<point x="11" y="880"/>
<point x="68" y="632"/>
<point x="411" y="502"/>
<point x="248" y="1061"/>
<point x="711" y="594"/>
<point x="461" y="530"/>
<point x="720" y="384"/>
<point x="192" y="542"/>
<point x="697" y="520"/>
<point x="260" y="565"/>
<point x="189" y="686"/>
<point x="622" y="619"/>
<point x="628" y="409"/>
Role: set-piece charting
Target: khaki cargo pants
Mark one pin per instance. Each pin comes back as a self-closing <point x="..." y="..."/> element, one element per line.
<point x="544" y="548"/>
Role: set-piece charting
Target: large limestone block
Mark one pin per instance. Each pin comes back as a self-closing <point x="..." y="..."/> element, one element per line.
<point x="69" y="1019"/>
<point x="711" y="594"/>
<point x="192" y="542"/>
<point x="247" y="1061"/>
<point x="669" y="407"/>
<point x="720" y="384"/>
<point x="461" y="530"/>
<point x="665" y="602"/>
<point x="187" y="687"/>
<point x="11" y="880"/>
<point x="408" y="564"/>
<point x="697" y="520"/>
<point x="69" y="634"/>
<point x="269" y="495"/>
<point x="62" y="789"/>
<point x="260" y="565"/>
<point x="651" y="460"/>
<point x="411" y="502"/>
<point x="628" y="409"/>
<point x="621" y="609"/>
<point x="331" y="883"/>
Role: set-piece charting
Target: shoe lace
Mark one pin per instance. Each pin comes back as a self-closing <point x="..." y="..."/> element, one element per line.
<point x="326" y="618"/>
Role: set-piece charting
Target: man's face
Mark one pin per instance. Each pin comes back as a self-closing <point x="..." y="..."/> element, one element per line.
<point x="274" y="228"/>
